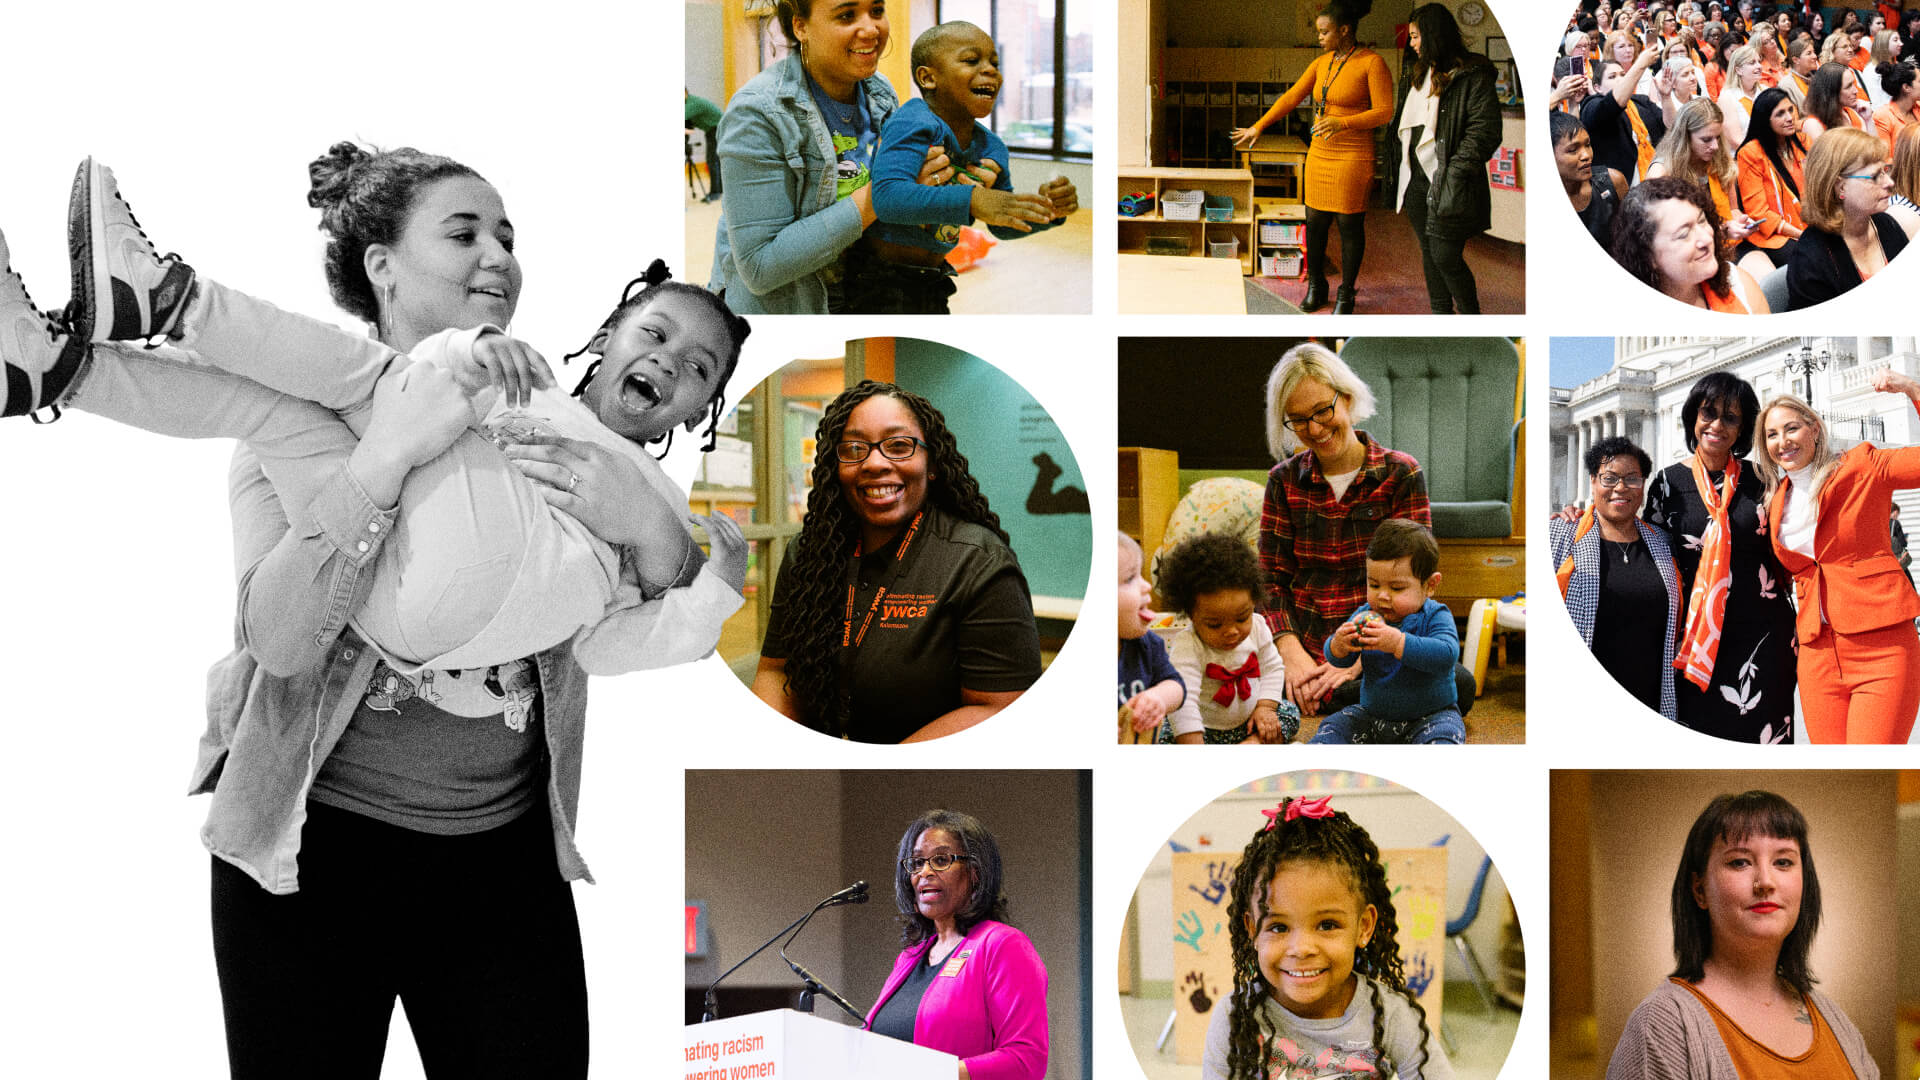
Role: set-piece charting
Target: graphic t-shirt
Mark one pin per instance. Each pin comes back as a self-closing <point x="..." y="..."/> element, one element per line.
<point x="854" y="138"/>
<point x="957" y="613"/>
<point x="1336" y="1049"/>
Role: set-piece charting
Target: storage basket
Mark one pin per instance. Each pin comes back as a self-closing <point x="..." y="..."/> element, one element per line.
<point x="1219" y="207"/>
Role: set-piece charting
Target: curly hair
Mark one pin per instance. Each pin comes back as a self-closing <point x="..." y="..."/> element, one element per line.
<point x="364" y="197"/>
<point x="814" y="578"/>
<point x="654" y="284"/>
<point x="1634" y="228"/>
<point x="1340" y="842"/>
<point x="987" y="899"/>
<point x="1209" y="563"/>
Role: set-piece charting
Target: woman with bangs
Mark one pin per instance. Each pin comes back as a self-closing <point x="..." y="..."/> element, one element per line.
<point x="1740" y="1002"/>
<point x="1850" y="237"/>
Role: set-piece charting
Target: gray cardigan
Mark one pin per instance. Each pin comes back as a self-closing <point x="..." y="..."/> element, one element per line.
<point x="780" y="226"/>
<point x="1672" y="1036"/>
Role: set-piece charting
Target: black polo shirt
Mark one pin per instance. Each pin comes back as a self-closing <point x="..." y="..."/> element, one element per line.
<point x="958" y="614"/>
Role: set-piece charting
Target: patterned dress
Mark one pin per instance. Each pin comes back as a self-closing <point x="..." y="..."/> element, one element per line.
<point x="1751" y="696"/>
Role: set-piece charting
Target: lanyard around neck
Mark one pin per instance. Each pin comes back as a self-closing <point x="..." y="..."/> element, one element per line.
<point x="849" y="638"/>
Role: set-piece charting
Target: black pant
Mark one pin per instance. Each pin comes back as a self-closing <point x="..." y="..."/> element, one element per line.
<point x="871" y="285"/>
<point x="1348" y="693"/>
<point x="1353" y="245"/>
<point x="1443" y="255"/>
<point x="711" y="137"/>
<point x="476" y="935"/>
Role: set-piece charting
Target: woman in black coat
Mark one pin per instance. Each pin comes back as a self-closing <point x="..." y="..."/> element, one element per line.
<point x="1449" y="127"/>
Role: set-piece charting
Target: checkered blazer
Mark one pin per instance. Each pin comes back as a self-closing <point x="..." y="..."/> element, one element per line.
<point x="1583" y="590"/>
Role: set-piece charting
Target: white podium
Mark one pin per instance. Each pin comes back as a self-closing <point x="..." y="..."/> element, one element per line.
<point x="783" y="1044"/>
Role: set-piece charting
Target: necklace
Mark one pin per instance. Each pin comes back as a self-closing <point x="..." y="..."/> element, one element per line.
<point x="844" y="112"/>
<point x="1333" y="72"/>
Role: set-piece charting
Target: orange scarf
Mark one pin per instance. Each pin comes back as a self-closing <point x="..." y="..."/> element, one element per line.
<point x="1642" y="142"/>
<point x="1707" y="604"/>
<point x="1565" y="573"/>
<point x="1730" y="303"/>
<point x="1720" y="201"/>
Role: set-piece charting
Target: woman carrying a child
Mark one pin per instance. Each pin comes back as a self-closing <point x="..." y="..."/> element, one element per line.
<point x="1333" y="486"/>
<point x="358" y="811"/>
<point x="802" y="151"/>
<point x="900" y="613"/>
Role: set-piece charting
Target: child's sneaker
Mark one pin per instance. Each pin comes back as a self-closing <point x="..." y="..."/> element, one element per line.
<point x="38" y="357"/>
<point x="123" y="290"/>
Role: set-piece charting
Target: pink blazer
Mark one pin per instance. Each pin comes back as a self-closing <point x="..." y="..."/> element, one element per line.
<point x="987" y="1006"/>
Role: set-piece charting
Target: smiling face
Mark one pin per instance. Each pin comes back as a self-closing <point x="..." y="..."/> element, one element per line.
<point x="1619" y="504"/>
<point x="1135" y="595"/>
<point x="841" y="41"/>
<point x="1309" y="925"/>
<point x="1318" y="418"/>
<point x="1750" y="890"/>
<point x="1683" y="244"/>
<point x="1788" y="438"/>
<point x="941" y="895"/>
<point x="883" y="493"/>
<point x="659" y="367"/>
<point x="453" y="266"/>
<point x="1573" y="156"/>
<point x="1716" y="427"/>
<point x="1748" y="73"/>
<point x="964" y="75"/>
<point x="1222" y="619"/>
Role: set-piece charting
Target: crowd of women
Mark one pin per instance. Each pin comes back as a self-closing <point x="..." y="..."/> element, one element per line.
<point x="1736" y="157"/>
<point x="1715" y="588"/>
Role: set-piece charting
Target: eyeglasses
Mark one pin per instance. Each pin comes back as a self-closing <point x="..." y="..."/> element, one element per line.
<point x="1874" y="177"/>
<point x="897" y="448"/>
<point x="940" y="863"/>
<point x="1608" y="481"/>
<point x="1321" y="416"/>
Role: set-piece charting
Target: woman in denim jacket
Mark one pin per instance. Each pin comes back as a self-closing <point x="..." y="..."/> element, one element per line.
<point x="377" y="838"/>
<point x="797" y="194"/>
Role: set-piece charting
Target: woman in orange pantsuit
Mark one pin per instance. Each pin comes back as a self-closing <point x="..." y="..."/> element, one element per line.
<point x="1859" y="656"/>
<point x="1351" y="94"/>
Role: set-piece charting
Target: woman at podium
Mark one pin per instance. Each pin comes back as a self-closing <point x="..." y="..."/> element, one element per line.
<point x="967" y="982"/>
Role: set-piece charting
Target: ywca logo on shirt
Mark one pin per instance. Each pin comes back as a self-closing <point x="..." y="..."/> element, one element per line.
<point x="900" y="610"/>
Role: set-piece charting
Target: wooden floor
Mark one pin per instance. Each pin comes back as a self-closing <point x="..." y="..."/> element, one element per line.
<point x="1500" y="712"/>
<point x="1391" y="280"/>
<point x="1047" y="273"/>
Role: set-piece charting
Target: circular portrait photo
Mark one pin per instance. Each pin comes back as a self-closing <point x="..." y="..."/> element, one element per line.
<point x="1307" y="925"/>
<point x="1765" y="936"/>
<point x="920" y="533"/>
<point x="1730" y="551"/>
<point x="1740" y="157"/>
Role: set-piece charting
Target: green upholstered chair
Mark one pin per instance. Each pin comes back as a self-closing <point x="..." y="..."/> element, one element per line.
<point x="1449" y="403"/>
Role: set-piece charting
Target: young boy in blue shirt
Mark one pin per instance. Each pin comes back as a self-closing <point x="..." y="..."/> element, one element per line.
<point x="1406" y="644"/>
<point x="1149" y="687"/>
<point x="957" y="70"/>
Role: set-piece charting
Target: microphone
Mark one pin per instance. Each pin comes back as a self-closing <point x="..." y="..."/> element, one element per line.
<point x="855" y="893"/>
<point x="815" y="986"/>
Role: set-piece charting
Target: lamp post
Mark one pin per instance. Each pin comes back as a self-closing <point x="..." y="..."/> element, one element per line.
<point x="1804" y="363"/>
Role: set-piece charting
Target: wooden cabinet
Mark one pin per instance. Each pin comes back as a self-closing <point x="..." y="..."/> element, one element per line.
<point x="1148" y="486"/>
<point x="1152" y="231"/>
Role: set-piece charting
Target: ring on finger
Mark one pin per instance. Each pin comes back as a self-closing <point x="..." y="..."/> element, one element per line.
<point x="573" y="481"/>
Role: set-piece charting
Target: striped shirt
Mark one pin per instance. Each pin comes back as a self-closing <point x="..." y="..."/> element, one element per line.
<point x="1313" y="545"/>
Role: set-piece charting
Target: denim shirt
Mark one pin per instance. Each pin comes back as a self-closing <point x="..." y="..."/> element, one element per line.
<point x="780" y="225"/>
<point x="278" y="703"/>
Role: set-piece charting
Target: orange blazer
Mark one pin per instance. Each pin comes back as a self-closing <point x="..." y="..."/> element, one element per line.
<point x="1854" y="574"/>
<point x="1765" y="196"/>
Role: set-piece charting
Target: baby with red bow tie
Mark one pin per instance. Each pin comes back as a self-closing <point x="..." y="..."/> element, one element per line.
<point x="1225" y="654"/>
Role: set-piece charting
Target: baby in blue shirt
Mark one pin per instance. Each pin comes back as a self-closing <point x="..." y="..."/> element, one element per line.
<point x="957" y="70"/>
<point x="1406" y="644"/>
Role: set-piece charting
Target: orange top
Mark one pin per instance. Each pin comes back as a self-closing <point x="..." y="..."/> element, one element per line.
<point x="1730" y="303"/>
<point x="1754" y="1060"/>
<point x="1766" y="197"/>
<point x="1770" y="75"/>
<point x="1887" y="123"/>
<point x="1860" y="59"/>
<point x="1716" y="81"/>
<point x="1357" y="90"/>
<point x="1718" y="192"/>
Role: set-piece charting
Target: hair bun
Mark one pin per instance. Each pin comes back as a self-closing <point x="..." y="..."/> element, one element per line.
<point x="656" y="273"/>
<point x="330" y="175"/>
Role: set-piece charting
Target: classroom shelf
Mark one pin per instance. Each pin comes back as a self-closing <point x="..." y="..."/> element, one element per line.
<point x="1237" y="184"/>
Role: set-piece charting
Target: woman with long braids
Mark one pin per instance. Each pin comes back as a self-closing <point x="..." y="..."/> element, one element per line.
<point x="900" y="613"/>
<point x="1352" y="94"/>
<point x="1316" y="969"/>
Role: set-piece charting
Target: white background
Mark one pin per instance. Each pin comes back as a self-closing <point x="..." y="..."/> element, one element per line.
<point x="115" y="554"/>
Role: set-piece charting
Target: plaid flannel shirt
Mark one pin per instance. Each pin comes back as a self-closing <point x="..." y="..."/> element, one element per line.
<point x="1313" y="547"/>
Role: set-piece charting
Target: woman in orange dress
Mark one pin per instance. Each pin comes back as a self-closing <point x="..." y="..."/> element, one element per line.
<point x="1352" y="94"/>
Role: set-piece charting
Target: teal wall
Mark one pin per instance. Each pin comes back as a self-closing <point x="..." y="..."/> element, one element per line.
<point x="1000" y="427"/>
